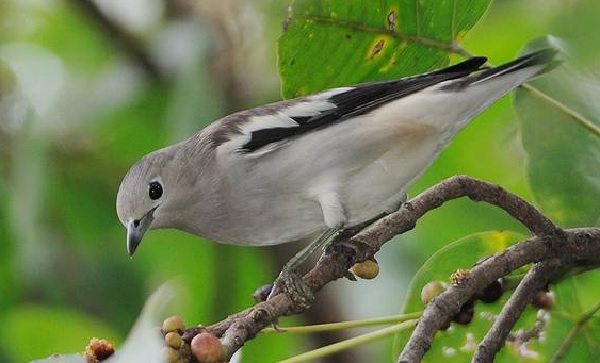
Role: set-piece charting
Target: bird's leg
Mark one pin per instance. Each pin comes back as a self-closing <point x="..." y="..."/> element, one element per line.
<point x="303" y="254"/>
<point x="290" y="281"/>
<point x="342" y="239"/>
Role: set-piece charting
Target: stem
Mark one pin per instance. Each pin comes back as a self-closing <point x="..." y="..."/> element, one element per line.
<point x="394" y="319"/>
<point x="351" y="343"/>
<point x="566" y="344"/>
<point x="587" y="124"/>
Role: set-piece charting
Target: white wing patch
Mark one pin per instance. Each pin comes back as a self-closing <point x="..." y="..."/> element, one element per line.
<point x="331" y="92"/>
<point x="284" y="118"/>
<point x="256" y="123"/>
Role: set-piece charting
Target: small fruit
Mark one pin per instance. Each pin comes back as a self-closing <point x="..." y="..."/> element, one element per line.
<point x="543" y="300"/>
<point x="368" y="269"/>
<point x="173" y="323"/>
<point x="466" y="314"/>
<point x="173" y="340"/>
<point x="185" y="353"/>
<point x="492" y="292"/>
<point x="98" y="350"/>
<point x="446" y="325"/>
<point x="460" y="276"/>
<point x="431" y="290"/>
<point x="171" y="355"/>
<point x="206" y="347"/>
<point x="262" y="292"/>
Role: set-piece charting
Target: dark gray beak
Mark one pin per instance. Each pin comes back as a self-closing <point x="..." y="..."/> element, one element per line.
<point x="136" y="229"/>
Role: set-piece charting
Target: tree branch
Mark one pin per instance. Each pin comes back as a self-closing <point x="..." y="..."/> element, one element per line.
<point x="550" y="243"/>
<point x="569" y="248"/>
<point x="535" y="280"/>
<point x="449" y="189"/>
<point x="121" y="39"/>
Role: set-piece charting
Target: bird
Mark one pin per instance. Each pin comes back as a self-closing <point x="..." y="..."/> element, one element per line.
<point x="309" y="167"/>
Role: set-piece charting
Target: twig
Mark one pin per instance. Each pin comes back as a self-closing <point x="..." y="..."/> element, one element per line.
<point x="309" y="329"/>
<point x="568" y="341"/>
<point x="352" y="342"/>
<point x="579" y="118"/>
<point x="449" y="189"/>
<point x="535" y="280"/>
<point x="579" y="246"/>
<point x="121" y="38"/>
<point x="574" y="246"/>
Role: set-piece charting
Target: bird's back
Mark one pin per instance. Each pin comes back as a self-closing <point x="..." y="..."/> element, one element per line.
<point x="287" y="170"/>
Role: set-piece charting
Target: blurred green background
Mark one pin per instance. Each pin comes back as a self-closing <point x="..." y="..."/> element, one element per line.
<point x="88" y="87"/>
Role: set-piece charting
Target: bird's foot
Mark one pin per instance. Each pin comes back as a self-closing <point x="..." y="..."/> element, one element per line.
<point x="291" y="283"/>
<point x="354" y="249"/>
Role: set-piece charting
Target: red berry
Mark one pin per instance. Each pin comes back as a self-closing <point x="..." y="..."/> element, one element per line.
<point x="206" y="347"/>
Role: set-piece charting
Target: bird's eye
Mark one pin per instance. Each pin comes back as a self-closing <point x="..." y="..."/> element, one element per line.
<point x="155" y="190"/>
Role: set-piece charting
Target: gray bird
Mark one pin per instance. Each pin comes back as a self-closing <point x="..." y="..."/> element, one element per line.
<point x="310" y="166"/>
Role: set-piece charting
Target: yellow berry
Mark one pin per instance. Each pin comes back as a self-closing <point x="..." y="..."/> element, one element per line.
<point x="367" y="270"/>
<point x="173" y="340"/>
<point x="173" y="323"/>
<point x="171" y="355"/>
<point x="431" y="290"/>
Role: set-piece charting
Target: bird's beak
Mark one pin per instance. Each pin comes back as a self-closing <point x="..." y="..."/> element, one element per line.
<point x="136" y="228"/>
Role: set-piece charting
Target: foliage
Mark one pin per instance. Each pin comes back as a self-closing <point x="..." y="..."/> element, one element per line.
<point x="563" y="146"/>
<point x="565" y="327"/>
<point x="363" y="42"/>
<point x="76" y="112"/>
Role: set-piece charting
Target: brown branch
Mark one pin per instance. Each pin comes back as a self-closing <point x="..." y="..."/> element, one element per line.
<point x="120" y="38"/>
<point x="453" y="188"/>
<point x="550" y="242"/>
<point x="536" y="279"/>
<point x="570" y="247"/>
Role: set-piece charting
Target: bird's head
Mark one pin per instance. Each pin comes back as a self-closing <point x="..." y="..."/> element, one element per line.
<point x="143" y="200"/>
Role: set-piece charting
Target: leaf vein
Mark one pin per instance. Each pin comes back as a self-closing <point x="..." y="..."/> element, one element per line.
<point x="579" y="118"/>
<point x="452" y="48"/>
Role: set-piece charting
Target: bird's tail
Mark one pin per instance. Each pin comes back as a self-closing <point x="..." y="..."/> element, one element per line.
<point x="469" y="96"/>
<point x="544" y="60"/>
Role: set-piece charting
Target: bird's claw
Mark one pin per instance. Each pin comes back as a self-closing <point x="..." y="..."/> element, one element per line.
<point x="292" y="284"/>
<point x="358" y="250"/>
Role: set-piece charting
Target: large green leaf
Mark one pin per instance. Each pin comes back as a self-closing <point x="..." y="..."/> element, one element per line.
<point x="336" y="42"/>
<point x="566" y="327"/>
<point x="563" y="148"/>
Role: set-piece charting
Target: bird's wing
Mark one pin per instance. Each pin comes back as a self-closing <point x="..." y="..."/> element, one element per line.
<point x="262" y="129"/>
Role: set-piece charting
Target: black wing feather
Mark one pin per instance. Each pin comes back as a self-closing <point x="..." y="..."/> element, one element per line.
<point x="362" y="99"/>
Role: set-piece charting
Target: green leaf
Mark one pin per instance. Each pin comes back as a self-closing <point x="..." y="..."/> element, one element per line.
<point x="560" y="126"/>
<point x="336" y="42"/>
<point x="31" y="332"/>
<point x="571" y="323"/>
